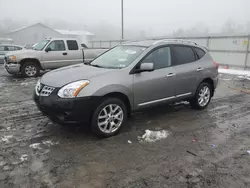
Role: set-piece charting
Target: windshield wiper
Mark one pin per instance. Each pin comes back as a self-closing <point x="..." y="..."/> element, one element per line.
<point x="94" y="65"/>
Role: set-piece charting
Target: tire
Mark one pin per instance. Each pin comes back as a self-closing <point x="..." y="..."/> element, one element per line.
<point x="108" y="120"/>
<point x="196" y="101"/>
<point x="30" y="69"/>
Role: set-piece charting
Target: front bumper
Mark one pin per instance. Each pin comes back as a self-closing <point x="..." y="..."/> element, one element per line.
<point x="12" y="68"/>
<point x="77" y="110"/>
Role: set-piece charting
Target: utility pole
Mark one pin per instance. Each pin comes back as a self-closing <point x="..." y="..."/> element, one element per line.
<point x="122" y="19"/>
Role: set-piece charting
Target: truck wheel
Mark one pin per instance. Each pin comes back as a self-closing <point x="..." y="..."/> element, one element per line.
<point x="109" y="117"/>
<point x="30" y="69"/>
<point x="202" y="97"/>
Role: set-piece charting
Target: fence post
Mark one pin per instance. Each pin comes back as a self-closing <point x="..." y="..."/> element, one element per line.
<point x="246" y="58"/>
<point x="208" y="42"/>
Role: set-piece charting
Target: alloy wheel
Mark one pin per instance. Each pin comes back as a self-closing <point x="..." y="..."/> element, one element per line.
<point x="110" y="118"/>
<point x="204" y="96"/>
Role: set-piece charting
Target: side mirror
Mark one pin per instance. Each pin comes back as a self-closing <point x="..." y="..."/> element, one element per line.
<point x="146" y="67"/>
<point x="48" y="49"/>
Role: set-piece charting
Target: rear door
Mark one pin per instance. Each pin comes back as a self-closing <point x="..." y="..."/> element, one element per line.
<point x="157" y="86"/>
<point x="56" y="57"/>
<point x="207" y="68"/>
<point x="74" y="55"/>
<point x="186" y="68"/>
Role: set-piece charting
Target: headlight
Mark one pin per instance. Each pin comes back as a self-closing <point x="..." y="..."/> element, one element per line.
<point x="38" y="87"/>
<point x="12" y="58"/>
<point x="71" y="90"/>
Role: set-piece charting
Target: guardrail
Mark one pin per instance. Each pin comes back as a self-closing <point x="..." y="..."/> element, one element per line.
<point x="228" y="51"/>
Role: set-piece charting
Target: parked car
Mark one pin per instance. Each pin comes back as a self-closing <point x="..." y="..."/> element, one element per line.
<point x="6" y="48"/>
<point x="125" y="79"/>
<point x="50" y="53"/>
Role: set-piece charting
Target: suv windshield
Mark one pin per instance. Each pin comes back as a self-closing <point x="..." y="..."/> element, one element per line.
<point x="40" y="45"/>
<point x="118" y="57"/>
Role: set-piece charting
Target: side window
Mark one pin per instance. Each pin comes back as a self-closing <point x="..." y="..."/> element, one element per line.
<point x="183" y="55"/>
<point x="6" y="48"/>
<point x="57" y="45"/>
<point x="17" y="48"/>
<point x="199" y="52"/>
<point x="2" y="50"/>
<point x="11" y="48"/>
<point x="72" y="45"/>
<point x="160" y="57"/>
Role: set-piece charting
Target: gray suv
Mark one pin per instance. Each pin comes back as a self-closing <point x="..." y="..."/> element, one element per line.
<point x="127" y="78"/>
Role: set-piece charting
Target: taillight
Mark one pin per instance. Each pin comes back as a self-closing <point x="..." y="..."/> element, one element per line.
<point x="216" y="64"/>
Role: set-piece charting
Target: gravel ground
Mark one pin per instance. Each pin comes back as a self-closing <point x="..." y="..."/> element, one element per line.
<point x="203" y="149"/>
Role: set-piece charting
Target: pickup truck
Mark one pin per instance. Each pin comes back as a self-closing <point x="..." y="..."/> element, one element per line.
<point x="50" y="53"/>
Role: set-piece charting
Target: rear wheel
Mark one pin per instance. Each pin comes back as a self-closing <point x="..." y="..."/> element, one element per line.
<point x="109" y="117"/>
<point x="202" y="97"/>
<point x="30" y="69"/>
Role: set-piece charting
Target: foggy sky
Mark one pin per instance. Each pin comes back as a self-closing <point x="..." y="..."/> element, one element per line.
<point x="153" y="15"/>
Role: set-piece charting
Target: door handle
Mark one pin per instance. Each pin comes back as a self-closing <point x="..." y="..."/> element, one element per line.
<point x="65" y="53"/>
<point x="200" y="69"/>
<point x="171" y="75"/>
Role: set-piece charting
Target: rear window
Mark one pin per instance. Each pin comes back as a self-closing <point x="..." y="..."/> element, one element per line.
<point x="72" y="45"/>
<point x="199" y="52"/>
<point x="183" y="55"/>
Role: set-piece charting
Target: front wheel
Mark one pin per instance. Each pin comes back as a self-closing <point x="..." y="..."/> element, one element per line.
<point x="30" y="69"/>
<point x="109" y="117"/>
<point x="202" y="97"/>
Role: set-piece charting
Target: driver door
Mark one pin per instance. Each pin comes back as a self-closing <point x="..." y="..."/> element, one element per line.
<point x="158" y="86"/>
<point x="55" y="55"/>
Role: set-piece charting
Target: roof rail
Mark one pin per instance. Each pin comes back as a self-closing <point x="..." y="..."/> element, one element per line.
<point x="176" y="40"/>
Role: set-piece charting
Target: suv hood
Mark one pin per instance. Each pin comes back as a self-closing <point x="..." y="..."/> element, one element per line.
<point x="65" y="75"/>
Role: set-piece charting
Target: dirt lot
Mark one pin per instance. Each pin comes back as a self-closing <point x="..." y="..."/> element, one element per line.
<point x="204" y="149"/>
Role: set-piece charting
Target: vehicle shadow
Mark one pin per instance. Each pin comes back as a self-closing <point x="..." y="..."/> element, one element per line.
<point x="155" y="117"/>
<point x="20" y="77"/>
<point x="151" y="118"/>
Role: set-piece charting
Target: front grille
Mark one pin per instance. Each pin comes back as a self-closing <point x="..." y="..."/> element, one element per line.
<point x="43" y="90"/>
<point x="46" y="91"/>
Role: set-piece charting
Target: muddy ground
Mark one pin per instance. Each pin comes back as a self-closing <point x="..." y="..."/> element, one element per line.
<point x="204" y="149"/>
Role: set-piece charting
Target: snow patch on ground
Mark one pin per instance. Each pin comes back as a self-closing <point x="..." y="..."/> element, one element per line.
<point x="226" y="79"/>
<point x="153" y="136"/>
<point x="235" y="72"/>
<point x="181" y="102"/>
<point x="24" y="84"/>
<point x="6" y="138"/>
<point x="35" y="146"/>
<point x="245" y="77"/>
<point x="24" y="157"/>
<point x="49" y="143"/>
